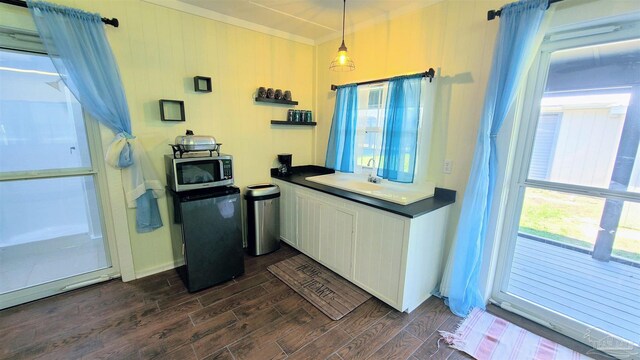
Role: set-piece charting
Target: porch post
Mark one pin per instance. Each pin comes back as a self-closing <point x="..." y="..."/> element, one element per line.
<point x="622" y="170"/>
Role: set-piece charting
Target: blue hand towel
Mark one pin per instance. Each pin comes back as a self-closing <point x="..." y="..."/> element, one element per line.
<point x="147" y="214"/>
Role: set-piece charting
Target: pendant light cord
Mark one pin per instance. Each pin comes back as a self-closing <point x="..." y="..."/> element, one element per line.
<point x="344" y="5"/>
<point x="342" y="62"/>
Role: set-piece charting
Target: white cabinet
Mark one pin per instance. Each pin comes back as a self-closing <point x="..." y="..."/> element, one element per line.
<point x="397" y="259"/>
<point x="337" y="233"/>
<point x="378" y="253"/>
<point x="287" y="212"/>
<point x="325" y="232"/>
<point x="307" y="225"/>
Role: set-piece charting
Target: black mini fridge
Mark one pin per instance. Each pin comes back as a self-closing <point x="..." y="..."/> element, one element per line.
<point x="208" y="224"/>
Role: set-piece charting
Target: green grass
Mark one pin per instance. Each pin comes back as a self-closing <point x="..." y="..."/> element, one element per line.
<point x="579" y="243"/>
<point x="574" y="220"/>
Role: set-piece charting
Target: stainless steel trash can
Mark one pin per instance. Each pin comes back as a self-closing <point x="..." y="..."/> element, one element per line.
<point x="263" y="218"/>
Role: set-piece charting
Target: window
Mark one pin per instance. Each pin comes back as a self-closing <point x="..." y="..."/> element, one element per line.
<point x="370" y="126"/>
<point x="51" y="224"/>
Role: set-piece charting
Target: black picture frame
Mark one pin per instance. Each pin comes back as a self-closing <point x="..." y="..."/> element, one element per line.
<point x="170" y="108"/>
<point x="202" y="84"/>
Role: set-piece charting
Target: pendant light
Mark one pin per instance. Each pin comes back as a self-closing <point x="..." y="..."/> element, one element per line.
<point x="342" y="62"/>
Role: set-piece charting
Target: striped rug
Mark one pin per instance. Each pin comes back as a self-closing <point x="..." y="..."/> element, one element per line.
<point x="485" y="336"/>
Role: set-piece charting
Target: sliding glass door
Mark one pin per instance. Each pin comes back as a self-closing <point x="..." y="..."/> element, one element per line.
<point x="52" y="233"/>
<point x="572" y="253"/>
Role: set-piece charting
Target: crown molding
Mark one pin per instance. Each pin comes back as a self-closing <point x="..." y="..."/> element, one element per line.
<point x="210" y="14"/>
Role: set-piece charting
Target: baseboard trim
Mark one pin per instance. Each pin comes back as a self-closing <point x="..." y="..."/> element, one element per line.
<point x="159" y="268"/>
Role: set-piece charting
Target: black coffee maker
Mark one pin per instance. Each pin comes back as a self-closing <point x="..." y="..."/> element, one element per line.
<point x="285" y="164"/>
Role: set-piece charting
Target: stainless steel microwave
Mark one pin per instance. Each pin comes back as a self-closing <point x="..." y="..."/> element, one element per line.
<point x="193" y="172"/>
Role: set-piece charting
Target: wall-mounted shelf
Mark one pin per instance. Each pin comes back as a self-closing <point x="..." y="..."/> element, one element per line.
<point x="294" y="123"/>
<point x="277" y="101"/>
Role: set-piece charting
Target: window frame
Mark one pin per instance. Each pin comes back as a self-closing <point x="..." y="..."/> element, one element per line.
<point x="363" y="131"/>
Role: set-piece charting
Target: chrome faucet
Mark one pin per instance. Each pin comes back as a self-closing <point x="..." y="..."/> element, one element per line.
<point x="372" y="160"/>
<point x="371" y="178"/>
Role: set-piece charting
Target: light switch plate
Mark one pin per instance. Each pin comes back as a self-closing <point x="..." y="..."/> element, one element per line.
<point x="447" y="166"/>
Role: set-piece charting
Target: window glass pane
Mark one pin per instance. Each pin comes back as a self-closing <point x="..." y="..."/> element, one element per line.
<point x="581" y="221"/>
<point x="41" y="123"/>
<point x="627" y="238"/>
<point x="369" y="126"/>
<point x="565" y="218"/>
<point x="589" y="125"/>
<point x="375" y="98"/>
<point x="49" y="229"/>
<point x="580" y="256"/>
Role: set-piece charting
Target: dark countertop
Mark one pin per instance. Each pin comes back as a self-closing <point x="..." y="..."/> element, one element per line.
<point x="442" y="197"/>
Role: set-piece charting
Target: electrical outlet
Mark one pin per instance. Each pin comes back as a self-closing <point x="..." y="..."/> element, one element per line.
<point x="447" y="166"/>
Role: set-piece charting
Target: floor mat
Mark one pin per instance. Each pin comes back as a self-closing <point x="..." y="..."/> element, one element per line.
<point x="327" y="291"/>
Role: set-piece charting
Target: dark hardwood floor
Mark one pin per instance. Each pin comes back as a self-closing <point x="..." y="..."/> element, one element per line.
<point x="255" y="316"/>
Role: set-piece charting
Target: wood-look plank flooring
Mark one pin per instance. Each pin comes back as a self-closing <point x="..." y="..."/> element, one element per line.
<point x="255" y="316"/>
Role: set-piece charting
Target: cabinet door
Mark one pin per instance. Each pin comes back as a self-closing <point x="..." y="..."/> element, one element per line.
<point x="337" y="229"/>
<point x="287" y="213"/>
<point x="378" y="254"/>
<point x="308" y="224"/>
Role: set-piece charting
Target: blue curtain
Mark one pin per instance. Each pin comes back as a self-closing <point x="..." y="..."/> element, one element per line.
<point x="340" y="149"/>
<point x="76" y="42"/>
<point x="400" y="134"/>
<point x="515" y="44"/>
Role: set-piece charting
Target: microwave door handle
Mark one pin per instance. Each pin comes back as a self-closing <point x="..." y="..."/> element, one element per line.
<point x="221" y="166"/>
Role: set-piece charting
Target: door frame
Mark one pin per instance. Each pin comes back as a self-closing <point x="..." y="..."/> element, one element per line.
<point x="111" y="207"/>
<point x="522" y="141"/>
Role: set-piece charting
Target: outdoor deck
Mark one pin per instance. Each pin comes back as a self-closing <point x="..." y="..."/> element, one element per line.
<point x="603" y="294"/>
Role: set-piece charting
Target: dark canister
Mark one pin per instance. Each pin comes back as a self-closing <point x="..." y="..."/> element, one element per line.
<point x="290" y="115"/>
<point x="285" y="161"/>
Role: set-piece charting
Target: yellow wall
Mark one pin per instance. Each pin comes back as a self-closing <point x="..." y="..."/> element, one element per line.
<point x="158" y="51"/>
<point x="455" y="39"/>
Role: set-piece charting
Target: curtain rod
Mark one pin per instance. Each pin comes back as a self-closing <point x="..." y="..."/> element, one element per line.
<point x="429" y="73"/>
<point x="113" y="22"/>
<point x="491" y="14"/>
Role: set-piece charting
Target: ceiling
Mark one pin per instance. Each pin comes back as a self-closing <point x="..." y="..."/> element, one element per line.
<point x="309" y="21"/>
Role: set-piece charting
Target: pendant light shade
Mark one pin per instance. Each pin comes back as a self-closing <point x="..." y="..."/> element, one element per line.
<point x="342" y="62"/>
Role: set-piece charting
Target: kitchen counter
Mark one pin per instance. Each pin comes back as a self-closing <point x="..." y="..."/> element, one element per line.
<point x="441" y="198"/>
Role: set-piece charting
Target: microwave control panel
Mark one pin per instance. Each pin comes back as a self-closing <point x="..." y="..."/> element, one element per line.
<point x="226" y="168"/>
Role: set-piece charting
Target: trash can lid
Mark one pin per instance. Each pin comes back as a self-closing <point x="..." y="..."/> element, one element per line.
<point x="258" y="190"/>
